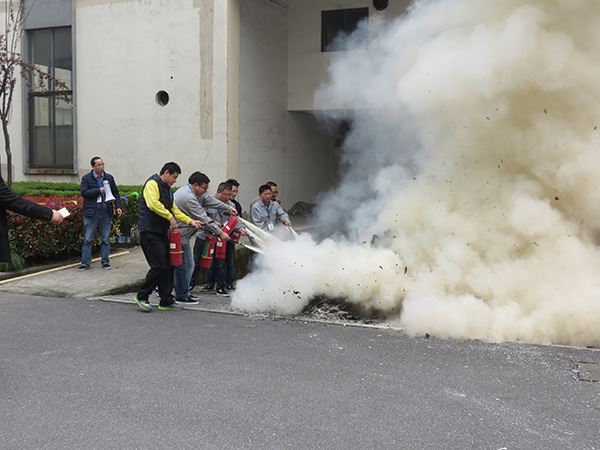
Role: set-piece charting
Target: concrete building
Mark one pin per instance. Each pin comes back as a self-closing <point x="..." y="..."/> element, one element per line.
<point x="221" y="86"/>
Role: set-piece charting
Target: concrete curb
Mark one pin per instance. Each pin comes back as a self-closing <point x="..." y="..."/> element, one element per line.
<point x="225" y="309"/>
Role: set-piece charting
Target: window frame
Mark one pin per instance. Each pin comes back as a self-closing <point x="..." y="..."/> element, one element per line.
<point x="51" y="94"/>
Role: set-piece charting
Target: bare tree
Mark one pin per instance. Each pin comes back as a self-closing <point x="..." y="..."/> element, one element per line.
<point x="11" y="63"/>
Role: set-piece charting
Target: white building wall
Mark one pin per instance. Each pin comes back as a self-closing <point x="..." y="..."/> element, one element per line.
<point x="129" y="50"/>
<point x="288" y="148"/>
<point x="126" y="51"/>
<point x="307" y="65"/>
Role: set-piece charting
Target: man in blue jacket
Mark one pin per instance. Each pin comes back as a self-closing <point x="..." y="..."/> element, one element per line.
<point x="99" y="191"/>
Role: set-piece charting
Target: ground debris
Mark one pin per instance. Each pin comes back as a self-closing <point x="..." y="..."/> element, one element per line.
<point x="339" y="310"/>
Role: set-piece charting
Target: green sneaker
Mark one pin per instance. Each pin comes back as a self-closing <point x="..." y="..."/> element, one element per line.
<point x="143" y="305"/>
<point x="172" y="307"/>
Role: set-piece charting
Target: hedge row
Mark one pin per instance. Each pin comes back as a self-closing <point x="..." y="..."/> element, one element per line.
<point x="44" y="188"/>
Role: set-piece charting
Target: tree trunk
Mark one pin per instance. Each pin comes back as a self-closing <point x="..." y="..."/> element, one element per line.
<point x="9" y="174"/>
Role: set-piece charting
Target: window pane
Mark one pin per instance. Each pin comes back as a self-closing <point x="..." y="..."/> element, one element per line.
<point x="337" y="24"/>
<point x="63" y="126"/>
<point x="62" y="57"/>
<point x="41" y="56"/>
<point x="52" y="128"/>
<point x="42" y="132"/>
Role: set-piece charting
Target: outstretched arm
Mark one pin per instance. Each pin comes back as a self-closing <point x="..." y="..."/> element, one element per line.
<point x="10" y="200"/>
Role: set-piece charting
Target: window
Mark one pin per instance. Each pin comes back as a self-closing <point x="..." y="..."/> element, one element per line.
<point x="337" y="23"/>
<point x="50" y="114"/>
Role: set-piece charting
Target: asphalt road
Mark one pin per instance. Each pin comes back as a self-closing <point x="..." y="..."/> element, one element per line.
<point x="88" y="374"/>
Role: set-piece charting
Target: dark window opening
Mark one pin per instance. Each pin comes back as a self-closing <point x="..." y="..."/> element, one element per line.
<point x="48" y="100"/>
<point x="337" y="24"/>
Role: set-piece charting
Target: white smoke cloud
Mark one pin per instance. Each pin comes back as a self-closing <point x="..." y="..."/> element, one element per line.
<point x="473" y="158"/>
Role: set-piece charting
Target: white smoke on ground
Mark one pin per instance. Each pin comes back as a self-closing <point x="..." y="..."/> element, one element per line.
<point x="474" y="160"/>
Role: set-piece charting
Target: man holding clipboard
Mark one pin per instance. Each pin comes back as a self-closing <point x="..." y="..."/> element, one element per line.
<point x="99" y="191"/>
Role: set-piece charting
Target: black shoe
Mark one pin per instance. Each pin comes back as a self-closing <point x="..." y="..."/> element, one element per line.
<point x="106" y="266"/>
<point x="222" y="293"/>
<point x="209" y="286"/>
<point x="82" y="267"/>
<point x="230" y="287"/>
<point x="193" y="297"/>
<point x="188" y="301"/>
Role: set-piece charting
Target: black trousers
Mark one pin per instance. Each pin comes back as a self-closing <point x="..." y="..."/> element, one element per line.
<point x="217" y="272"/>
<point x="156" y="250"/>
<point x="230" y="263"/>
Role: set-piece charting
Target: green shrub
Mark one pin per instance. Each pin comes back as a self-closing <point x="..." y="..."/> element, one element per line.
<point x="37" y="240"/>
<point x="16" y="263"/>
<point x="46" y="188"/>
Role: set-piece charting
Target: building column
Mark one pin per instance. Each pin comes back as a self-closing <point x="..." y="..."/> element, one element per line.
<point x="233" y="88"/>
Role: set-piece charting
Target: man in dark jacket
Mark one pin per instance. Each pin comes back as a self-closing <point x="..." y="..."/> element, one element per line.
<point x="157" y="215"/>
<point x="99" y="191"/>
<point x="10" y="200"/>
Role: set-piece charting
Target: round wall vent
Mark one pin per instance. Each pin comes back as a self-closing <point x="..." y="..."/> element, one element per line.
<point x="380" y="5"/>
<point x="162" y="98"/>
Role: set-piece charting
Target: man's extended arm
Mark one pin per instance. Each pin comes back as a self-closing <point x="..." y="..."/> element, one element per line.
<point x="209" y="201"/>
<point x="10" y="200"/>
<point x="282" y="216"/>
<point x="152" y="197"/>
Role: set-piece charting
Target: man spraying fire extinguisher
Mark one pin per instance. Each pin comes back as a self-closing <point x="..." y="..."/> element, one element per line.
<point x="217" y="273"/>
<point x="157" y="213"/>
<point x="191" y="200"/>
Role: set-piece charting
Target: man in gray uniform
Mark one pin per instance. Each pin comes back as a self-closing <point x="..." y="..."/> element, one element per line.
<point x="192" y="200"/>
<point x="265" y="212"/>
<point x="218" y="271"/>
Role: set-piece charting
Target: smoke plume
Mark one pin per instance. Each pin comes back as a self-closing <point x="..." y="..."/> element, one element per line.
<point x="471" y="202"/>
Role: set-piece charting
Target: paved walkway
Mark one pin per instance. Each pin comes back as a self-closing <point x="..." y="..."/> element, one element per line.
<point x="129" y="269"/>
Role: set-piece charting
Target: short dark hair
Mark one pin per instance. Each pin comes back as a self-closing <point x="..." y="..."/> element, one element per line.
<point x="271" y="184"/>
<point x="263" y="188"/>
<point x="171" y="167"/>
<point x="93" y="160"/>
<point x="198" y="178"/>
<point x="225" y="185"/>
<point x="234" y="182"/>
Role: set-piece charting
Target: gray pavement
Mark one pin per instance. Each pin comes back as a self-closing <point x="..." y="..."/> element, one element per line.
<point x="128" y="269"/>
<point x="90" y="374"/>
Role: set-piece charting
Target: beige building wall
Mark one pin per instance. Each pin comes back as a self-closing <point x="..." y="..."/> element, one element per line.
<point x="127" y="51"/>
<point x="291" y="149"/>
<point x="307" y="65"/>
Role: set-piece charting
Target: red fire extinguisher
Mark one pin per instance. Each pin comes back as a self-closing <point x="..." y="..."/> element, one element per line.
<point x="229" y="226"/>
<point x="214" y="247"/>
<point x="175" y="252"/>
<point x="228" y="229"/>
<point x="220" y="249"/>
<point x="208" y="251"/>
